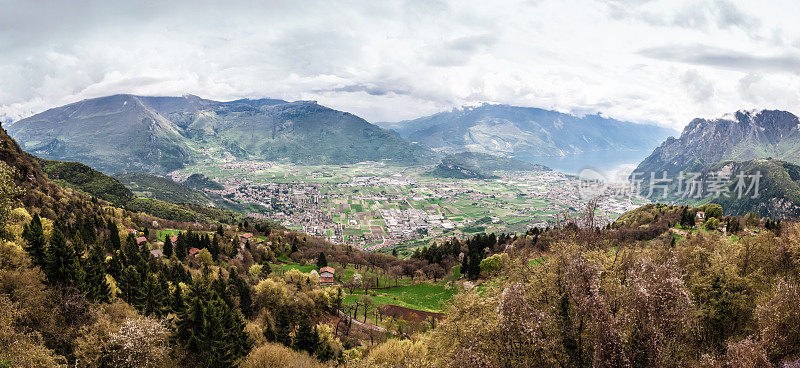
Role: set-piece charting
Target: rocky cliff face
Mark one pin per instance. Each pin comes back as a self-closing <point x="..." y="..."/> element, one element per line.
<point x="741" y="136"/>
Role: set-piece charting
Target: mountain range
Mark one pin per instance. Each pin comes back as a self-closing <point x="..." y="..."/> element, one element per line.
<point x="526" y="133"/>
<point x="160" y="134"/>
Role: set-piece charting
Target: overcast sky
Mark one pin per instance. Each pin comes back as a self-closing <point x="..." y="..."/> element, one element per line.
<point x="660" y="61"/>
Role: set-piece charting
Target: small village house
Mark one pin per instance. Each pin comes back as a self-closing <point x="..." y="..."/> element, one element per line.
<point x="326" y="275"/>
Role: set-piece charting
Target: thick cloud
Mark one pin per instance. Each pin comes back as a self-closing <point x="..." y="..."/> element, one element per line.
<point x="729" y="59"/>
<point x="661" y="61"/>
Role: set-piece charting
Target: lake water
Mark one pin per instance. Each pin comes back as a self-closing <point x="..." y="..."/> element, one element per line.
<point x="610" y="162"/>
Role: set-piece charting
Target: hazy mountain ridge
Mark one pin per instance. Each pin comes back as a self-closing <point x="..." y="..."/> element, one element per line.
<point x="524" y="132"/>
<point x="161" y="134"/>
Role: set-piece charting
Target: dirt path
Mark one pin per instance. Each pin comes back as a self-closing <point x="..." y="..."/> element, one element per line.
<point x="358" y="323"/>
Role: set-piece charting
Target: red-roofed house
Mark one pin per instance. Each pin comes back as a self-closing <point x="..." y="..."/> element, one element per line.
<point x="326" y="275"/>
<point x="246" y="236"/>
<point x="132" y="231"/>
<point x="141" y="240"/>
<point x="193" y="251"/>
<point x="173" y="239"/>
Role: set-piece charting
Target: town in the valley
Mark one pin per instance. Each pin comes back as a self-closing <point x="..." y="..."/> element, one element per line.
<point x="377" y="206"/>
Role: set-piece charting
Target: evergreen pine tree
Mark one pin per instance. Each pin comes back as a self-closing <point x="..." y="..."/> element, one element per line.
<point x="33" y="233"/>
<point x="283" y="327"/>
<point x="130" y="285"/>
<point x="177" y="304"/>
<point x="113" y="238"/>
<point x="306" y="338"/>
<point x="243" y="291"/>
<point x="131" y="250"/>
<point x="180" y="246"/>
<point x="62" y="264"/>
<point x="235" y="334"/>
<point x="115" y="265"/>
<point x="321" y="260"/>
<point x="235" y="248"/>
<point x="167" y="250"/>
<point x="214" y="248"/>
<point x="97" y="288"/>
<point x="153" y="296"/>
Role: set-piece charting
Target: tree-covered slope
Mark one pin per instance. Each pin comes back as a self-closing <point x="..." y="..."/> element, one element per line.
<point x="201" y="182"/>
<point x="778" y="188"/>
<point x="161" y="188"/>
<point x="475" y="165"/>
<point x="79" y="176"/>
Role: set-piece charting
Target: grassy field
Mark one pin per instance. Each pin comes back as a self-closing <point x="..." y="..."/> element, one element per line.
<point x="427" y="296"/>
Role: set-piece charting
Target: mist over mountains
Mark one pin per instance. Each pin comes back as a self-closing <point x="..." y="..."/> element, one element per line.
<point x="527" y="133"/>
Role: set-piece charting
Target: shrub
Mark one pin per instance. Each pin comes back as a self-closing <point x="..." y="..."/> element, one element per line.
<point x="274" y="355"/>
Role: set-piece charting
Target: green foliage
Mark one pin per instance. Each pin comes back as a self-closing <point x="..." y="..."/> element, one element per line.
<point x="687" y="218"/>
<point x="167" y="249"/>
<point x="712" y="223"/>
<point x="183" y="212"/>
<point x="712" y="210"/>
<point x="96" y="285"/>
<point x="474" y="165"/>
<point x="33" y="233"/>
<point x="492" y="265"/>
<point x="476" y="251"/>
<point x="211" y="329"/>
<point x="161" y="188"/>
<point x="62" y="262"/>
<point x="200" y="182"/>
<point x="306" y="337"/>
<point x="8" y="193"/>
<point x="321" y="260"/>
<point x="79" y="176"/>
